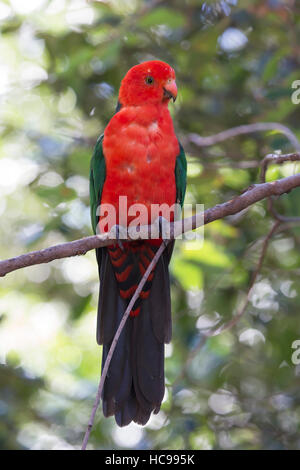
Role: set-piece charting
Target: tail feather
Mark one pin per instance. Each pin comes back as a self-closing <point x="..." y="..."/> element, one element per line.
<point x="134" y="386"/>
<point x="129" y="408"/>
<point x="149" y="360"/>
<point x="108" y="301"/>
<point x="159" y="302"/>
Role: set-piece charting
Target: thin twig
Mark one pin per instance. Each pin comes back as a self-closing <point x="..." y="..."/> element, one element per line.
<point x="278" y="159"/>
<point x="245" y="129"/>
<point x="115" y="340"/>
<point x="220" y="329"/>
<point x="279" y="219"/>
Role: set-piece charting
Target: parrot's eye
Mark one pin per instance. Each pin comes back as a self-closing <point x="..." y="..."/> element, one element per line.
<point x="149" y="80"/>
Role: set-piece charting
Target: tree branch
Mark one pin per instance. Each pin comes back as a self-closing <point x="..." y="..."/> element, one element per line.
<point x="250" y="196"/>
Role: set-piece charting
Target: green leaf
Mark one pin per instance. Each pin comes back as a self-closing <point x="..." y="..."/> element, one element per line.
<point x="171" y="18"/>
<point x="209" y="253"/>
<point x="189" y="275"/>
<point x="235" y="178"/>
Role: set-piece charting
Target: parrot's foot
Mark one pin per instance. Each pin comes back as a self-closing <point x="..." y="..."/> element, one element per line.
<point x="163" y="228"/>
<point x="119" y="232"/>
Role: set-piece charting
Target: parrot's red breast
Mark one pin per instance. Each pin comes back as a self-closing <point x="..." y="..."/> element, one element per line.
<point x="140" y="150"/>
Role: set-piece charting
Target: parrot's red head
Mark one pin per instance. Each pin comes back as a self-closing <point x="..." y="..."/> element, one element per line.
<point x="151" y="82"/>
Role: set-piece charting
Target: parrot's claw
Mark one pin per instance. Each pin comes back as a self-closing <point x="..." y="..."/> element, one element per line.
<point x="163" y="228"/>
<point x="119" y="232"/>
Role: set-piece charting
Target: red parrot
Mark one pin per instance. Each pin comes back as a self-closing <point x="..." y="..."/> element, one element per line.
<point x="140" y="157"/>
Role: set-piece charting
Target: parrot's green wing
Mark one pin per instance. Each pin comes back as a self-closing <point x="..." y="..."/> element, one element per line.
<point x="180" y="176"/>
<point x="97" y="178"/>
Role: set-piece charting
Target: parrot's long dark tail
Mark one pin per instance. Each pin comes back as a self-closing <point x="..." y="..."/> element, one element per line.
<point x="135" y="383"/>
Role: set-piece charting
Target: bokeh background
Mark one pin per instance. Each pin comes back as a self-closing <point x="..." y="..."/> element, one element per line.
<point x="61" y="62"/>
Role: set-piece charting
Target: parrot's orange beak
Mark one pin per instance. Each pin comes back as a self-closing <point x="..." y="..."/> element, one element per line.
<point x="170" y="90"/>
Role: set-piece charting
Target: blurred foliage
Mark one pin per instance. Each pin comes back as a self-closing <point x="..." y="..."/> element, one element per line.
<point x="60" y="69"/>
